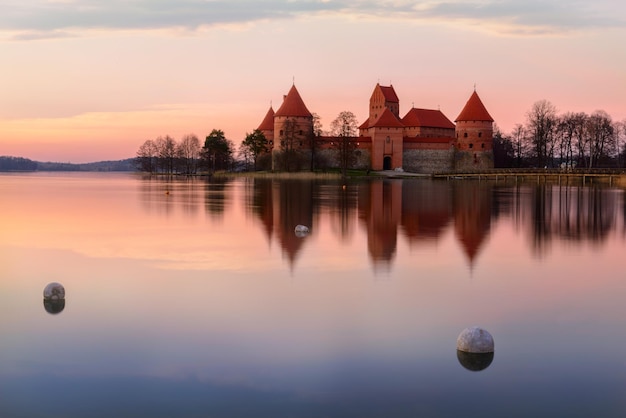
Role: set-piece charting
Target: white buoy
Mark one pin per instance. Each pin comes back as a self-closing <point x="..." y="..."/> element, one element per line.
<point x="301" y="230"/>
<point x="54" y="291"/>
<point x="475" y="340"/>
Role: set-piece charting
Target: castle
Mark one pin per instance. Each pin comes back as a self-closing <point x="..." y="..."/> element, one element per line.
<point x="423" y="141"/>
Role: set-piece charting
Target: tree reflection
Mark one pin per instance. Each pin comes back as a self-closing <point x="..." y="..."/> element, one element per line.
<point x="163" y="195"/>
<point x="216" y="196"/>
<point x="423" y="210"/>
<point x="572" y="213"/>
<point x="338" y="202"/>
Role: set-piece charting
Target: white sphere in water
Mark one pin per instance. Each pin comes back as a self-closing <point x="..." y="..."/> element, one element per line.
<point x="54" y="291"/>
<point x="475" y="340"/>
<point x="301" y="230"/>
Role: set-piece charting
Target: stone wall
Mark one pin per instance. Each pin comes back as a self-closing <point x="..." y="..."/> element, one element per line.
<point x="472" y="161"/>
<point x="329" y="158"/>
<point x="428" y="161"/>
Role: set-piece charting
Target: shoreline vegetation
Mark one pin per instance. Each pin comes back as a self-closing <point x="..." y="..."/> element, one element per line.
<point x="612" y="177"/>
<point x="21" y="164"/>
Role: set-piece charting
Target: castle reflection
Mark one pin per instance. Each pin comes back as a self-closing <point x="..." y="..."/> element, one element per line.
<point x="420" y="211"/>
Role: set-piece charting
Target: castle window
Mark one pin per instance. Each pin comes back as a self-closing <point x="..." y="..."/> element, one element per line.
<point x="281" y="132"/>
<point x="301" y="132"/>
<point x="464" y="135"/>
<point x="480" y="134"/>
<point x="471" y="145"/>
<point x="482" y="145"/>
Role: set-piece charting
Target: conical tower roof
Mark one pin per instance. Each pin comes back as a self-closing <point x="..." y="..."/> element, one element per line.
<point x="474" y="110"/>
<point x="268" y="121"/>
<point x="293" y="105"/>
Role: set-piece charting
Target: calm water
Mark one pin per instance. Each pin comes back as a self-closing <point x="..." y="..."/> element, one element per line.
<point x="189" y="298"/>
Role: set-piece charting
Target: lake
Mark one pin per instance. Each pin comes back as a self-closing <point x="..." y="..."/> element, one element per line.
<point x="195" y="298"/>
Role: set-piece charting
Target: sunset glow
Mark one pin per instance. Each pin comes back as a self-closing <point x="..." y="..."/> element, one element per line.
<point x="88" y="81"/>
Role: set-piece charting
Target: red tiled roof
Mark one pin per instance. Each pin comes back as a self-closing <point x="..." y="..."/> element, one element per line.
<point x="365" y="124"/>
<point x="268" y="121"/>
<point x="474" y="110"/>
<point x="387" y="120"/>
<point x="293" y="105"/>
<point x="427" y="118"/>
<point x="389" y="93"/>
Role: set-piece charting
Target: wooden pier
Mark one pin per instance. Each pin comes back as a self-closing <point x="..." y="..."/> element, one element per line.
<point x="540" y="176"/>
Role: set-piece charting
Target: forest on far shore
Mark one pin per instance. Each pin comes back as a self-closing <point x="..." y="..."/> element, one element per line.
<point x="18" y="164"/>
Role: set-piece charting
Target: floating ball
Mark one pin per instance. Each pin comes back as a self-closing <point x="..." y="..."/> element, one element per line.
<point x="301" y="230"/>
<point x="475" y="340"/>
<point x="54" y="306"/>
<point x="474" y="362"/>
<point x="54" y="291"/>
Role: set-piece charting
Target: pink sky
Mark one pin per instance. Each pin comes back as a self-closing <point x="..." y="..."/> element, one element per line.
<point x="85" y="81"/>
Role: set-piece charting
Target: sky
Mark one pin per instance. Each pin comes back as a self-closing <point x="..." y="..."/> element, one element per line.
<point x="91" y="80"/>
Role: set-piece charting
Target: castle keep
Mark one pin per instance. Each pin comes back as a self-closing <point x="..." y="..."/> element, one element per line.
<point x="423" y="141"/>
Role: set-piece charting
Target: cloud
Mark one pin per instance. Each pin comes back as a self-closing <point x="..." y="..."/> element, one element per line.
<point x="36" y="19"/>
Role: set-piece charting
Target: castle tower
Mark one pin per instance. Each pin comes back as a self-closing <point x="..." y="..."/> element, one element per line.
<point x="293" y="125"/>
<point x="383" y="97"/>
<point x="387" y="135"/>
<point x="474" y="136"/>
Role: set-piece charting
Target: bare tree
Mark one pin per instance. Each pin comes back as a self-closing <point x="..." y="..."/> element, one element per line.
<point x="317" y="132"/>
<point x="570" y="127"/>
<point x="166" y="151"/>
<point x="517" y="139"/>
<point x="541" y="126"/>
<point x="318" y="129"/>
<point x="600" y="132"/>
<point x="188" y="152"/>
<point x="503" y="150"/>
<point x="620" y="142"/>
<point x="344" y="127"/>
<point x="146" y="156"/>
<point x="579" y="121"/>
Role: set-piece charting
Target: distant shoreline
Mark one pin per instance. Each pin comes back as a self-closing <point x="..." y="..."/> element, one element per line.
<point x="25" y="165"/>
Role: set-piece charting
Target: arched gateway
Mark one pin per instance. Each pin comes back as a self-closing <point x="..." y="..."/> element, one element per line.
<point x="387" y="162"/>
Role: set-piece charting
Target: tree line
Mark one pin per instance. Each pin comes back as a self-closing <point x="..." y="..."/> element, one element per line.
<point x="166" y="155"/>
<point x="188" y="156"/>
<point x="546" y="139"/>
<point x="569" y="140"/>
